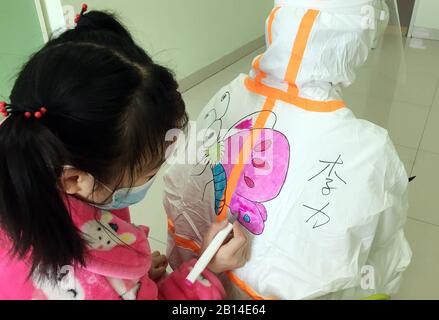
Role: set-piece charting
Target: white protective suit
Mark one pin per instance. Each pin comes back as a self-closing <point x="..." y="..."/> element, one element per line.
<point x="322" y="194"/>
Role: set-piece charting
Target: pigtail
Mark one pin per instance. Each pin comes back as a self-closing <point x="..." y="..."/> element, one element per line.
<point x="32" y="209"/>
<point x="107" y="109"/>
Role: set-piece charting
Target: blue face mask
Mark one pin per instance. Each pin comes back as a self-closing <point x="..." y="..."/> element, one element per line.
<point x="125" y="197"/>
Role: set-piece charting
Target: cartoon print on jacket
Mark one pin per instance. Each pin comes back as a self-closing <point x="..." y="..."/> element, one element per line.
<point x="102" y="234"/>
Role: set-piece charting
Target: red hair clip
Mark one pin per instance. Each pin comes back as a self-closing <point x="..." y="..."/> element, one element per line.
<point x="79" y="15"/>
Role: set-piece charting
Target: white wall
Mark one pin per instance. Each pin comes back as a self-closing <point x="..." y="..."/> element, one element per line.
<point x="188" y="35"/>
<point x="427" y="15"/>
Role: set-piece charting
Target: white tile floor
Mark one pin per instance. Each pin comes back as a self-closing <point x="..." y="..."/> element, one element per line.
<point x="396" y="90"/>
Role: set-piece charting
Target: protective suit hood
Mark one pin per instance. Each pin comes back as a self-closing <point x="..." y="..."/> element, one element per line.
<point x="329" y="56"/>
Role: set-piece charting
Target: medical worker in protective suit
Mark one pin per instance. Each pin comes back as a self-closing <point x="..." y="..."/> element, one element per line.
<point x="322" y="194"/>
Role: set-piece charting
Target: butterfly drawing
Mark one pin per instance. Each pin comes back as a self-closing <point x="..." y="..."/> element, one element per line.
<point x="263" y="173"/>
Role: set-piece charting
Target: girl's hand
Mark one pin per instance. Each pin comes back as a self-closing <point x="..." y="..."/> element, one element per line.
<point x="158" y="267"/>
<point x="231" y="255"/>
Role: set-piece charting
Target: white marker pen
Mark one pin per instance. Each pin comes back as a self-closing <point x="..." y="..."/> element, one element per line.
<point x="211" y="250"/>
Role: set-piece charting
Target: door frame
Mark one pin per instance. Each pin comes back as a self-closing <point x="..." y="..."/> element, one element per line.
<point x="51" y="17"/>
<point x="413" y="19"/>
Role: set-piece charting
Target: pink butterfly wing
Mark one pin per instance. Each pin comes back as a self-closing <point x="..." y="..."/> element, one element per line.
<point x="249" y="214"/>
<point x="263" y="176"/>
<point x="266" y="169"/>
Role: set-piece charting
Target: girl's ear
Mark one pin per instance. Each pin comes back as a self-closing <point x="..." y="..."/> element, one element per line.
<point x="77" y="182"/>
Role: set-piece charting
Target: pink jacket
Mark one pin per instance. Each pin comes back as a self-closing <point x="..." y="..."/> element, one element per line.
<point x="118" y="261"/>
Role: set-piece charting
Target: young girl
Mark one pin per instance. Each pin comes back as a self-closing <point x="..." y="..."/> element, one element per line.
<point x="83" y="137"/>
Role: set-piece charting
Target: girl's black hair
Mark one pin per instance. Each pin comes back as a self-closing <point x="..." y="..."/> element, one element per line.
<point x="109" y="107"/>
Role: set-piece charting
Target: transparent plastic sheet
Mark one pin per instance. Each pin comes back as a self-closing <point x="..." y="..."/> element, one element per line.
<point x="384" y="71"/>
<point x="387" y="53"/>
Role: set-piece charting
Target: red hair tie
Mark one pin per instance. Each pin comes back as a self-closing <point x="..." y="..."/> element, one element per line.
<point x="39" y="113"/>
<point x="79" y="15"/>
<point x="6" y="109"/>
